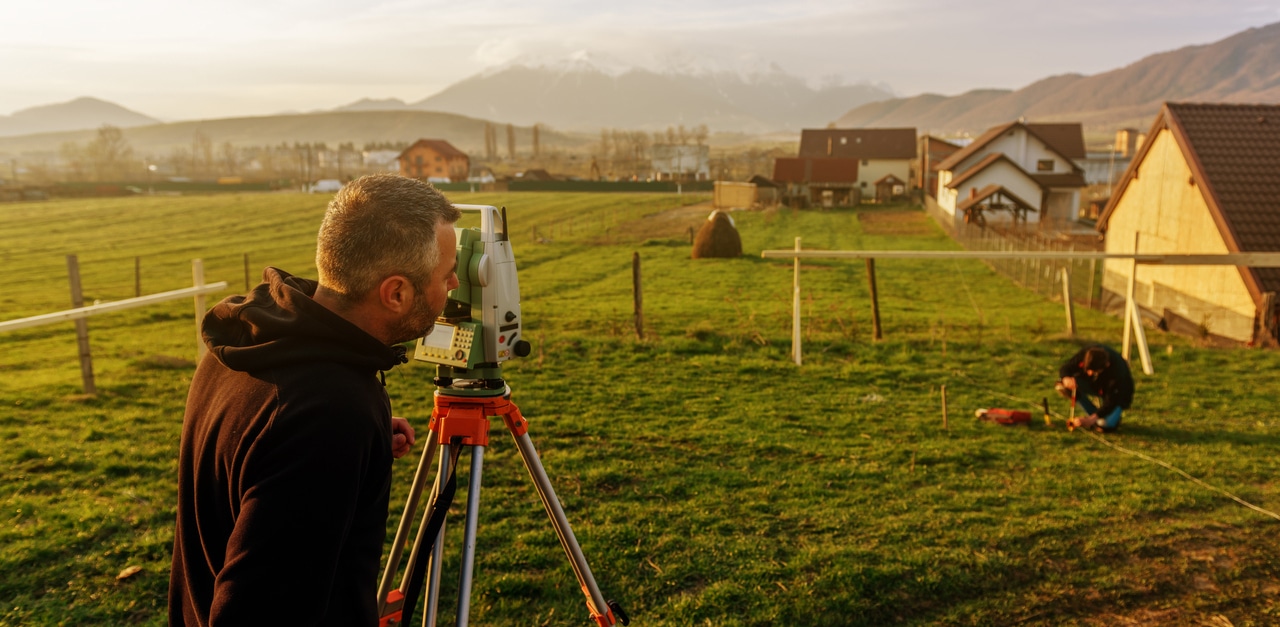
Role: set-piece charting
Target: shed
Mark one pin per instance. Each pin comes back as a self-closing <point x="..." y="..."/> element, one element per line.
<point x="1206" y="180"/>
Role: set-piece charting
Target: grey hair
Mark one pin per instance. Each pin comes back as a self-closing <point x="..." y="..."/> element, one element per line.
<point x="379" y="226"/>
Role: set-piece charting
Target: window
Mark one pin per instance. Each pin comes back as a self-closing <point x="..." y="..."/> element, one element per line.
<point x="844" y="140"/>
<point x="1044" y="165"/>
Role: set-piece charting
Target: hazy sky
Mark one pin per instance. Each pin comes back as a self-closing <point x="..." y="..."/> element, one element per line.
<point x="225" y="58"/>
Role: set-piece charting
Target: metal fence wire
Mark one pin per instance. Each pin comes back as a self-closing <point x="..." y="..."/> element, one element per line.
<point x="1042" y="276"/>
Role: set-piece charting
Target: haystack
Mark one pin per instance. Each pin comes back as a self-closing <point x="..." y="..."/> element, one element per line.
<point x="718" y="237"/>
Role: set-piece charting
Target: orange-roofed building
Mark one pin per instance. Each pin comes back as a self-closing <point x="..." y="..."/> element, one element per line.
<point x="434" y="160"/>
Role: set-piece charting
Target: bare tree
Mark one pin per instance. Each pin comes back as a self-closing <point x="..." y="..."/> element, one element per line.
<point x="201" y="154"/>
<point x="230" y="159"/>
<point x="537" y="147"/>
<point x="76" y="160"/>
<point x="511" y="142"/>
<point x="110" y="154"/>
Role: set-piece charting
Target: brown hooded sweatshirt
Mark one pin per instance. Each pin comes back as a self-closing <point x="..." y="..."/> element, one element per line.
<point x="284" y="472"/>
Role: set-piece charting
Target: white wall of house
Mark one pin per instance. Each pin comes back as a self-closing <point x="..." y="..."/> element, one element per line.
<point x="999" y="173"/>
<point x="1170" y="215"/>
<point x="872" y="170"/>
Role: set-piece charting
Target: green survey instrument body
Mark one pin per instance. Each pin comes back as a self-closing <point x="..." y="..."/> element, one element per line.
<point x="481" y="326"/>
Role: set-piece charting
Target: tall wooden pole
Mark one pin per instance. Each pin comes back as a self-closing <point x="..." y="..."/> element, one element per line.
<point x="82" y="326"/>
<point x="875" y="299"/>
<point x="635" y="286"/>
<point x="795" y="310"/>
<point x="1129" y="305"/>
<point x="1066" y="302"/>
<point x="197" y="276"/>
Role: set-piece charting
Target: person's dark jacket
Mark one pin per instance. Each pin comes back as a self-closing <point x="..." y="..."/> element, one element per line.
<point x="1113" y="384"/>
<point x="284" y="471"/>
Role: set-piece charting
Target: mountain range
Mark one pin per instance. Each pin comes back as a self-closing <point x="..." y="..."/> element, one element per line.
<point x="77" y="114"/>
<point x="1244" y="67"/>
<point x="576" y="97"/>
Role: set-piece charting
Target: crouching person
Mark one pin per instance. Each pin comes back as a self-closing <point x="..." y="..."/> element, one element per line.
<point x="1097" y="371"/>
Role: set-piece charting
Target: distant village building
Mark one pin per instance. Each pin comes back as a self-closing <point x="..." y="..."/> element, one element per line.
<point x="845" y="167"/>
<point x="932" y="151"/>
<point x="434" y="160"/>
<point x="681" y="162"/>
<point x="878" y="152"/>
<point x="818" y="182"/>
<point x="1206" y="180"/>
<point x="380" y="160"/>
<point x="1029" y="168"/>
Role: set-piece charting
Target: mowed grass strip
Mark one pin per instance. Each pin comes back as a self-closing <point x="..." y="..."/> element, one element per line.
<point x="709" y="480"/>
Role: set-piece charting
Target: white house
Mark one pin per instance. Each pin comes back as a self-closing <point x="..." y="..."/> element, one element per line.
<point x="681" y="162"/>
<point x="1034" y="163"/>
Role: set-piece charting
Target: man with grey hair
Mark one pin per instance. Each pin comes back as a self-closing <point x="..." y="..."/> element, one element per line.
<point x="284" y="470"/>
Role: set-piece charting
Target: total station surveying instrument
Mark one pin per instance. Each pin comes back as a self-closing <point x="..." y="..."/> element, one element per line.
<point x="479" y="329"/>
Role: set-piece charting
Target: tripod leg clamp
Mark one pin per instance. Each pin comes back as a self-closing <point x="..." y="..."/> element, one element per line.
<point x="395" y="605"/>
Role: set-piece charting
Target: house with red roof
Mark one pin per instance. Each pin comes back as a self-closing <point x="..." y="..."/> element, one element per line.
<point x="1205" y="180"/>
<point x="434" y="160"/>
<point x="1027" y="168"/>
<point x="884" y="158"/>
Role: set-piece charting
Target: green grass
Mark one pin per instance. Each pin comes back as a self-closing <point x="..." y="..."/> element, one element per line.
<point x="709" y="480"/>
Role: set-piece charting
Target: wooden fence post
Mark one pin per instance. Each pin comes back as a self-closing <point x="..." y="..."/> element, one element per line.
<point x="246" y="273"/>
<point x="1267" y="322"/>
<point x="82" y="326"/>
<point x="635" y="285"/>
<point x="795" y="309"/>
<point x="197" y="276"/>
<point x="944" y="408"/>
<point x="1129" y="305"/>
<point x="1144" y="352"/>
<point x="875" y="299"/>
<point x="1066" y="301"/>
<point x="137" y="277"/>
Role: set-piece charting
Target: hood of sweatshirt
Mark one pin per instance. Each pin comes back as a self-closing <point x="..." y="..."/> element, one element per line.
<point x="278" y="324"/>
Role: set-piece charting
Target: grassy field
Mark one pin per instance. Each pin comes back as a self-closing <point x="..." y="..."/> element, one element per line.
<point x="709" y="480"/>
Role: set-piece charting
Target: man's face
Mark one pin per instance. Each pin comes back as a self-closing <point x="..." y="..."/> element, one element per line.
<point x="429" y="299"/>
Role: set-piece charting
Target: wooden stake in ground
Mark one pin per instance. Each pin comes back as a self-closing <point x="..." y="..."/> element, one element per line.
<point x="82" y="326"/>
<point x="197" y="276"/>
<point x="1066" y="301"/>
<point x="944" y="408"/>
<point x="875" y="299"/>
<point x="635" y="286"/>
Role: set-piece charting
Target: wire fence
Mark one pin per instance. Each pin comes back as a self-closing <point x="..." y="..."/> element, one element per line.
<point x="1042" y="276"/>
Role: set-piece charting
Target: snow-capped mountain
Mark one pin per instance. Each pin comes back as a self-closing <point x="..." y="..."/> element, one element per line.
<point x="587" y="91"/>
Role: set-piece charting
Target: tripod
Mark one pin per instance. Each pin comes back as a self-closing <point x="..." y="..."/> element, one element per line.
<point x="460" y="418"/>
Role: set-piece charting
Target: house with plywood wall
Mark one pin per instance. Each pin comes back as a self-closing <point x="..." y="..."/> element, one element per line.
<point x="1205" y="180"/>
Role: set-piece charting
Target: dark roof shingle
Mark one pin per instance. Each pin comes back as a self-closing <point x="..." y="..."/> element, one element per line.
<point x="1238" y="150"/>
<point x="859" y="143"/>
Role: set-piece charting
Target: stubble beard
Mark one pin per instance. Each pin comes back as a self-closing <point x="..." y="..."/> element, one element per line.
<point x="417" y="323"/>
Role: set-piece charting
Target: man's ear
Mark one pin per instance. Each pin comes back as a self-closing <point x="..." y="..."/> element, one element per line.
<point x="394" y="294"/>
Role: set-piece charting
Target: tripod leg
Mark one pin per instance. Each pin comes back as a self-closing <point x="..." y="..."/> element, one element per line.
<point x="406" y="521"/>
<point x="437" y="558"/>
<point x="469" y="537"/>
<point x="600" y="609"/>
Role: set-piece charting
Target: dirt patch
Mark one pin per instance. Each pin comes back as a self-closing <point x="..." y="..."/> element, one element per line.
<point x="680" y="223"/>
<point x="894" y="223"/>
